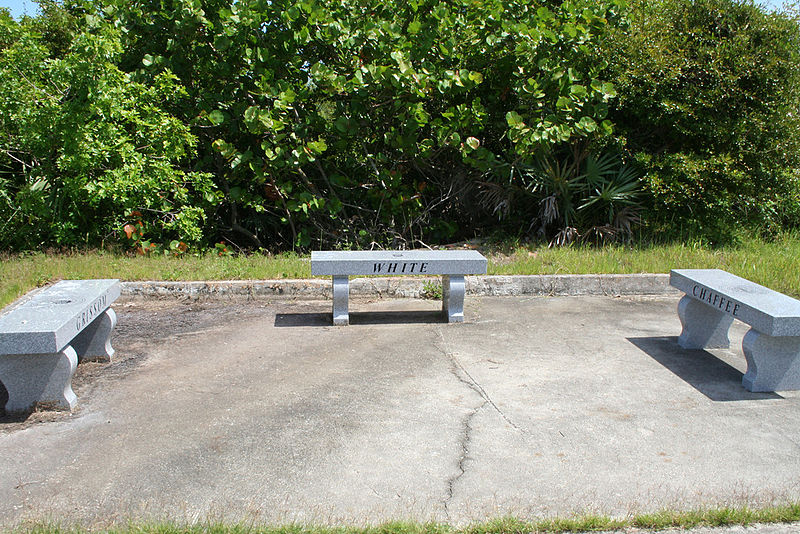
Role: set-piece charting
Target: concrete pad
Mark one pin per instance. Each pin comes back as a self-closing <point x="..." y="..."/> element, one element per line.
<point x="535" y="406"/>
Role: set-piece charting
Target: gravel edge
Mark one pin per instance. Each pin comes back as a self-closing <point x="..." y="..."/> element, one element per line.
<point x="412" y="287"/>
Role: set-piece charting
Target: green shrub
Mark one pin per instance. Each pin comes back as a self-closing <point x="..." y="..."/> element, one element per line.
<point x="358" y="123"/>
<point x="709" y="101"/>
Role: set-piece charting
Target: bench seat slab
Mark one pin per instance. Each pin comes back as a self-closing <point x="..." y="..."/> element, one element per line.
<point x="397" y="262"/>
<point x="773" y="363"/>
<point x="39" y="379"/>
<point x="703" y="327"/>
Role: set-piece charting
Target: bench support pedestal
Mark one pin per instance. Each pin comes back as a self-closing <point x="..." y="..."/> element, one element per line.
<point x="703" y="326"/>
<point x="44" y="379"/>
<point x="341" y="291"/>
<point x="94" y="343"/>
<point x="773" y="363"/>
<point x="453" y="298"/>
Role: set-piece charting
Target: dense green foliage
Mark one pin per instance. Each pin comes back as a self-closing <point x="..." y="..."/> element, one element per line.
<point x="325" y="123"/>
<point x="710" y="103"/>
<point x="355" y="122"/>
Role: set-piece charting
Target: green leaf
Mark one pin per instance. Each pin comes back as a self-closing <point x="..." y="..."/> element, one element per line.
<point x="317" y="147"/>
<point x="578" y="90"/>
<point x="514" y="119"/>
<point x="251" y="113"/>
<point x="587" y="124"/>
<point x="544" y="14"/>
<point x="476" y="77"/>
<point x="216" y="117"/>
<point x="341" y="124"/>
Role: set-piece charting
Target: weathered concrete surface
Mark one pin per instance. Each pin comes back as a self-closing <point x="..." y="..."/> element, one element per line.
<point x="533" y="407"/>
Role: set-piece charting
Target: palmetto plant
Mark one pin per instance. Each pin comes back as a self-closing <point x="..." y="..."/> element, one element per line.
<point x="580" y="195"/>
<point x="585" y="196"/>
<point x="611" y="205"/>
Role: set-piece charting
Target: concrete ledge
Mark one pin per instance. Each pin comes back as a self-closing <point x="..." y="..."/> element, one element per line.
<point x="412" y="287"/>
<point x="230" y="288"/>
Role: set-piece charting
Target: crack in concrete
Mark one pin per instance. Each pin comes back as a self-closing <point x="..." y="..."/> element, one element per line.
<point x="463" y="376"/>
<point x="471" y="383"/>
<point x="466" y="437"/>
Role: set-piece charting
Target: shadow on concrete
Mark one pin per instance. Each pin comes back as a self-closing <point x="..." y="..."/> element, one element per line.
<point x="302" y="319"/>
<point x="361" y="318"/>
<point x="14" y="417"/>
<point x="3" y="399"/>
<point x="702" y="370"/>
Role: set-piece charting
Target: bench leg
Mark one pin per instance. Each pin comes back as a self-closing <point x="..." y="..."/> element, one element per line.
<point x="703" y="326"/>
<point x="773" y="363"/>
<point x="341" y="291"/>
<point x="32" y="379"/>
<point x="94" y="343"/>
<point x="453" y="298"/>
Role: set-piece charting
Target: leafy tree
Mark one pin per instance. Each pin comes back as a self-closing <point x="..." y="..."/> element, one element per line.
<point x="82" y="146"/>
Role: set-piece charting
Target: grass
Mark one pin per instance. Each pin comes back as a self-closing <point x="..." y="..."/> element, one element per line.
<point x="773" y="264"/>
<point x="21" y="273"/>
<point x="768" y="263"/>
<point x="707" y="517"/>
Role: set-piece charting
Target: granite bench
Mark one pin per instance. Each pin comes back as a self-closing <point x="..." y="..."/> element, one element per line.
<point x="714" y="298"/>
<point x="452" y="265"/>
<point x="43" y="337"/>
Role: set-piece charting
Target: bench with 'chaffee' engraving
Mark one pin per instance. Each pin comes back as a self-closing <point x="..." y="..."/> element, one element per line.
<point x="714" y="298"/>
<point x="452" y="265"/>
<point x="46" y="333"/>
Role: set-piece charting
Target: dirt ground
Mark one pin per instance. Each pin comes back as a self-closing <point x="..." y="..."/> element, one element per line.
<point x="142" y="326"/>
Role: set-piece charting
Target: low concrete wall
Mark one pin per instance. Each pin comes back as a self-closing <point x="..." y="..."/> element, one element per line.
<point x="411" y="287"/>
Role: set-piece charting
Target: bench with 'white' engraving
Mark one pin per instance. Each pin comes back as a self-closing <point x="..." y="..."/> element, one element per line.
<point x="714" y="298"/>
<point x="44" y="336"/>
<point x="452" y="265"/>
